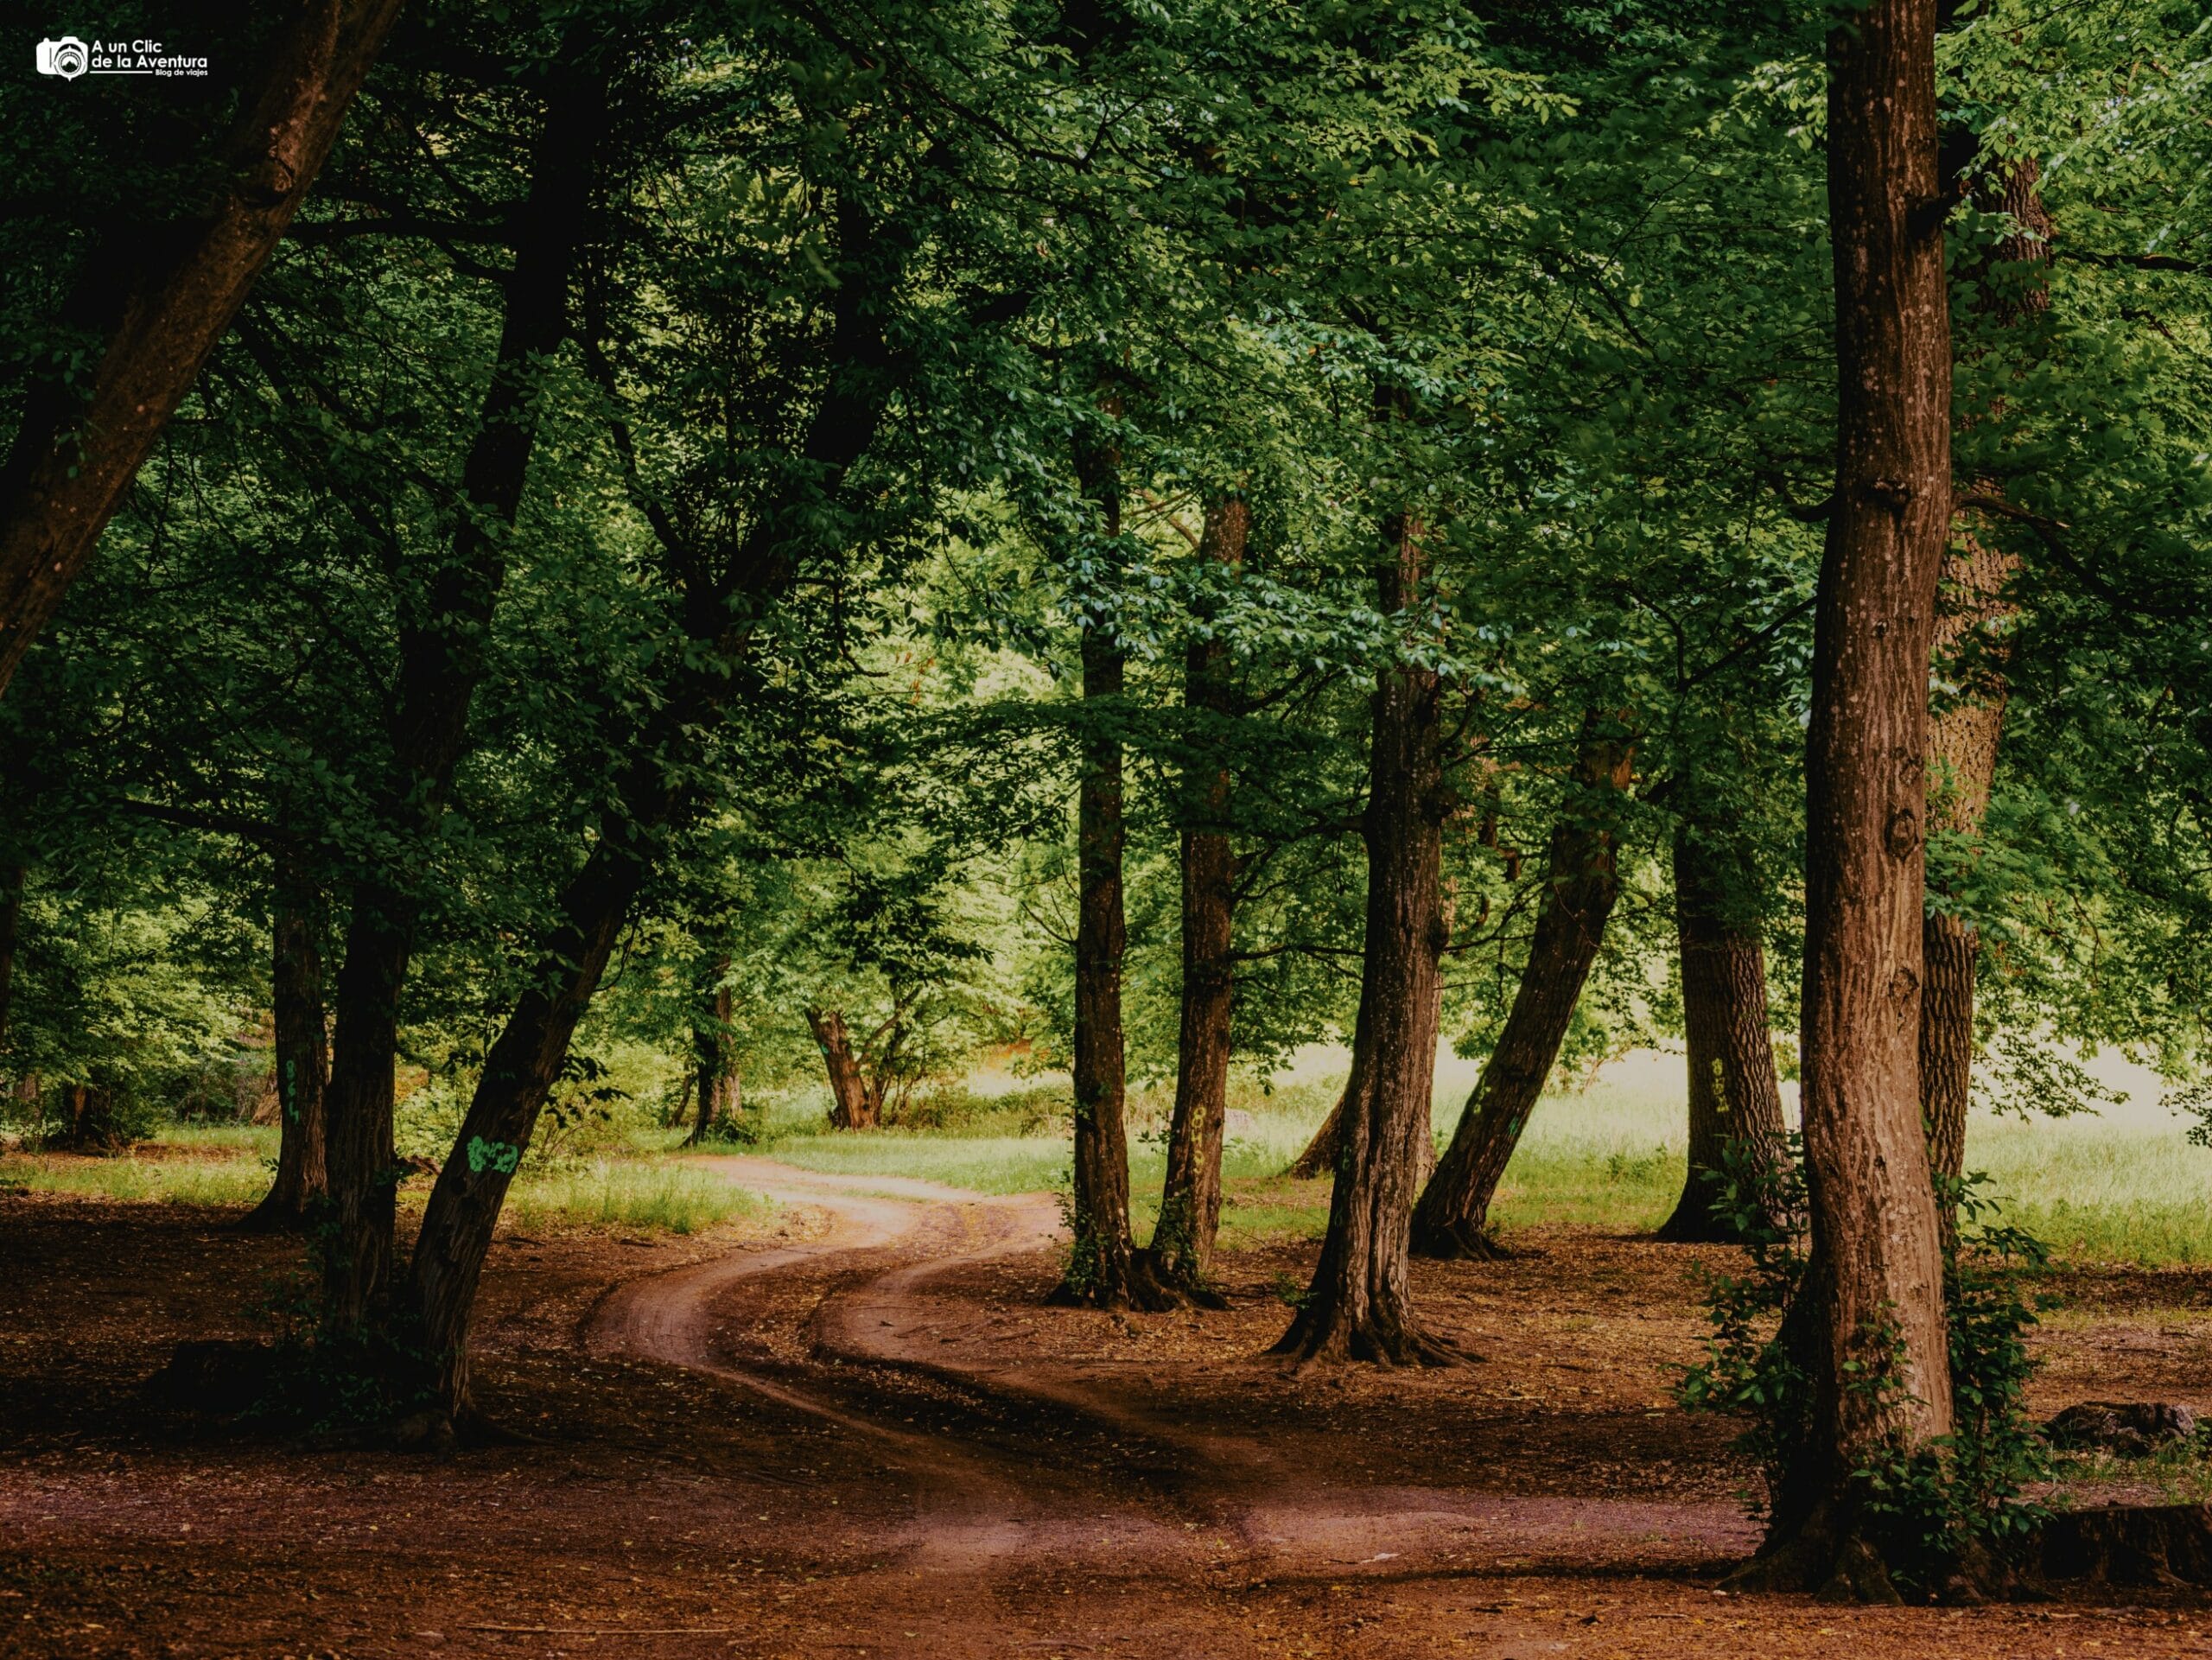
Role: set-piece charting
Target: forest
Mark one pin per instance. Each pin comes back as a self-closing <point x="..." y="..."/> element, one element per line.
<point x="1245" y="828"/>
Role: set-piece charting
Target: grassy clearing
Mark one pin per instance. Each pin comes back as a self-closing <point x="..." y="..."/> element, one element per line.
<point x="2123" y="1188"/>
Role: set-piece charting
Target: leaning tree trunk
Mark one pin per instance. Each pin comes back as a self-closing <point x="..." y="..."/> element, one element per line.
<point x="76" y="451"/>
<point x="1580" y="886"/>
<point x="533" y="1048"/>
<point x="1970" y="651"/>
<point x="1360" y="1305"/>
<point x="1321" y="1154"/>
<point x="1878" y="1345"/>
<point x="715" y="1054"/>
<point x="1735" y="1097"/>
<point x="441" y="661"/>
<point x="1190" y="1205"/>
<point x="853" y="1103"/>
<point x="302" y="1062"/>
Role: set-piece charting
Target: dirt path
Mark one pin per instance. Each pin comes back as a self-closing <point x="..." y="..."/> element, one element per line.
<point x="1262" y="1499"/>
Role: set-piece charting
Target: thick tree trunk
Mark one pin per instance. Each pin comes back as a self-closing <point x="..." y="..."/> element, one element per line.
<point x="720" y="1094"/>
<point x="1972" y="612"/>
<point x="303" y="1061"/>
<point x="1878" y="1343"/>
<point x="75" y="456"/>
<point x="1735" y="1097"/>
<point x="442" y="660"/>
<point x="855" y="1103"/>
<point x="91" y="1127"/>
<point x="1360" y="1304"/>
<point x="1581" y="885"/>
<point x="1189" y="1206"/>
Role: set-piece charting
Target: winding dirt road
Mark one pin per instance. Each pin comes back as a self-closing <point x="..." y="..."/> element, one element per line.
<point x="878" y="1313"/>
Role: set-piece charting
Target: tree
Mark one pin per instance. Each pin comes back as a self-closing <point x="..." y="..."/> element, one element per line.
<point x="77" y="448"/>
<point x="1580" y="886"/>
<point x="1359" y="1305"/>
<point x="1876" y="1344"/>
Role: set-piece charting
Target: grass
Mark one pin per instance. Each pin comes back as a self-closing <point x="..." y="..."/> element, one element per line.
<point x="2124" y="1188"/>
<point x="231" y="1165"/>
<point x="624" y="1193"/>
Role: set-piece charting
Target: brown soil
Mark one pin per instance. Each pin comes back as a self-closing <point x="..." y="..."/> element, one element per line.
<point x="863" y="1433"/>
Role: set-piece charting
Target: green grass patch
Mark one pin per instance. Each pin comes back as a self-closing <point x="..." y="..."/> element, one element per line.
<point x="151" y="1178"/>
<point x="667" y="1198"/>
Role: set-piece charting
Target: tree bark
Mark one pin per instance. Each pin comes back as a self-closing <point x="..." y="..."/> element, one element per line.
<point x="1735" y="1097"/>
<point x="441" y="661"/>
<point x="721" y="1093"/>
<point x="1190" y="1205"/>
<point x="855" y="1101"/>
<point x="303" y="1061"/>
<point x="1874" y="1278"/>
<point x="1359" y="1305"/>
<point x="73" y="457"/>
<point x="13" y="879"/>
<point x="1581" y="884"/>
<point x="1973" y="611"/>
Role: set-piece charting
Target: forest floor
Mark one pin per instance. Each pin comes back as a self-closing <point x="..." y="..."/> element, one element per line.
<point x="852" y="1427"/>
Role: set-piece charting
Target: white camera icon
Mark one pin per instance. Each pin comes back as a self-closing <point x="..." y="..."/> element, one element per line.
<point x="65" y="57"/>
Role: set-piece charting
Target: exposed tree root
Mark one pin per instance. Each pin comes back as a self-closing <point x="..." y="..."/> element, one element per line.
<point x="1458" y="1241"/>
<point x="1314" y="1339"/>
<point x="1138" y="1287"/>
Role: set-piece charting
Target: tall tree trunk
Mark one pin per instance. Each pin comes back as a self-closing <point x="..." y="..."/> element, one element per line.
<point x="650" y="799"/>
<point x="1360" y="1304"/>
<point x="1735" y="1097"/>
<point x="442" y="660"/>
<point x="716" y="1061"/>
<point x="1973" y="611"/>
<point x="1580" y="886"/>
<point x="1190" y="1205"/>
<point x="854" y="1102"/>
<point x="160" y="303"/>
<point x="1878" y="1347"/>
<point x="13" y="879"/>
<point x="302" y="1060"/>
<point x="1104" y="1269"/>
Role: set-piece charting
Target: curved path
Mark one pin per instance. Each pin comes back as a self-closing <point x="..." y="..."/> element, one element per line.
<point x="982" y="1501"/>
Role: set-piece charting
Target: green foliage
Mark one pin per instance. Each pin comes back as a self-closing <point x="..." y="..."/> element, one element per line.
<point x="1927" y="1504"/>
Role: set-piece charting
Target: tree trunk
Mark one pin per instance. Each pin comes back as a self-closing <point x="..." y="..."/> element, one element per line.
<point x="1973" y="611"/>
<point x="854" y="1102"/>
<point x="1735" y="1099"/>
<point x="519" y="1072"/>
<point x="1360" y="1304"/>
<point x="1104" y="1269"/>
<point x="13" y="879"/>
<point x="720" y="1092"/>
<point x="441" y="661"/>
<point x="1580" y="886"/>
<point x="1190" y="1205"/>
<point x="74" y="456"/>
<point x="302" y="1062"/>
<point x="1878" y="1346"/>
<point x="650" y="795"/>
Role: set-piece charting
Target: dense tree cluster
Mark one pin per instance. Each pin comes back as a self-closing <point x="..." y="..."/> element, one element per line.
<point x="826" y="539"/>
